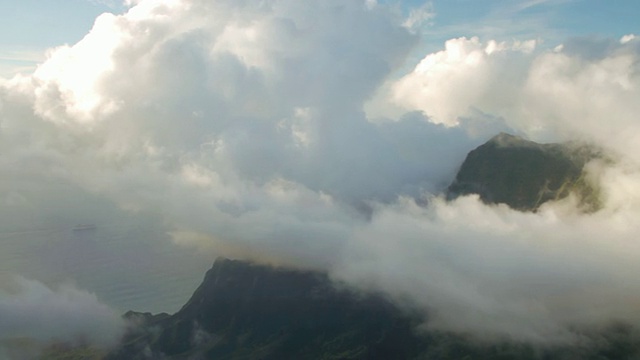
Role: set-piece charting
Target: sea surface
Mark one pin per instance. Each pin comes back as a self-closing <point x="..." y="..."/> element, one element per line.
<point x="127" y="265"/>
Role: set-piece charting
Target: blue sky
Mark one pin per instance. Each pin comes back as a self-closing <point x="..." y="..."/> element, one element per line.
<point x="531" y="18"/>
<point x="36" y="23"/>
<point x="31" y="26"/>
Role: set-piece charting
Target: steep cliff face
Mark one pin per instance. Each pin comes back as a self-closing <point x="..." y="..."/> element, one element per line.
<point x="524" y="175"/>
<point x="247" y="311"/>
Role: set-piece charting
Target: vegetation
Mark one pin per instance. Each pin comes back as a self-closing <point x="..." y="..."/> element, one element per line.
<point x="524" y="174"/>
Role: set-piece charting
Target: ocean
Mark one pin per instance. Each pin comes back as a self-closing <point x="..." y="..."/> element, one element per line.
<point x="127" y="265"/>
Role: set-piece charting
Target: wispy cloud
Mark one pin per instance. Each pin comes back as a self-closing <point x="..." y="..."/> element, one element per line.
<point x="19" y="60"/>
<point x="111" y="4"/>
<point x="420" y="16"/>
<point x="501" y="20"/>
<point x="526" y="4"/>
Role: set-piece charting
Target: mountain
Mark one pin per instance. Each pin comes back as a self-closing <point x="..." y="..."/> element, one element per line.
<point x="244" y="310"/>
<point x="249" y="311"/>
<point x="523" y="174"/>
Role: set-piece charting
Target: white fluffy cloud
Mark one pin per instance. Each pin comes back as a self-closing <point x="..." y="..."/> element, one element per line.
<point x="241" y="126"/>
<point x="491" y="271"/>
<point x="584" y="88"/>
<point x="466" y="76"/>
<point x="419" y="16"/>
<point x="587" y="89"/>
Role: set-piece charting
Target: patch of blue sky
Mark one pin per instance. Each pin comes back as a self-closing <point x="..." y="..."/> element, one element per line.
<point x="32" y="26"/>
<point x="552" y="21"/>
<point x="29" y="27"/>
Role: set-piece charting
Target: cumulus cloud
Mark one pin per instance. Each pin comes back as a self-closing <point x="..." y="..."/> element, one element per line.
<point x="539" y="93"/>
<point x="466" y="77"/>
<point x="242" y="126"/>
<point x="526" y="275"/>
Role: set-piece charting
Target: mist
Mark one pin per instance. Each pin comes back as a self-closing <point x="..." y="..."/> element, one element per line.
<point x="31" y="310"/>
<point x="282" y="132"/>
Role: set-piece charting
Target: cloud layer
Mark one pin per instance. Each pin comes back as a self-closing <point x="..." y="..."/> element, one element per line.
<point x="31" y="310"/>
<point x="241" y="125"/>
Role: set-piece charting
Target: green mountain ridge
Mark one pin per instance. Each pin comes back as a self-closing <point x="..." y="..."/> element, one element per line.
<point x="524" y="175"/>
<point x="247" y="311"/>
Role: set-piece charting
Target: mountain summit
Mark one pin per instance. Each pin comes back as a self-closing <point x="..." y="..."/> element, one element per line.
<point x="247" y="311"/>
<point x="523" y="174"/>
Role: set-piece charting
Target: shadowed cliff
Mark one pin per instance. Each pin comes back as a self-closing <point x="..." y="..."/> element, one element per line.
<point x="247" y="311"/>
<point x="523" y="174"/>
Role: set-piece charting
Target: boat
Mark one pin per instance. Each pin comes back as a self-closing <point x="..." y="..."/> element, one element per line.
<point x="84" y="227"/>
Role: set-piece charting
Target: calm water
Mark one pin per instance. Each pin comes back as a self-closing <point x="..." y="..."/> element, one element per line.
<point x="128" y="266"/>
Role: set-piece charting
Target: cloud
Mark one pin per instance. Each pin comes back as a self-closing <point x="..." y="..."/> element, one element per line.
<point x="499" y="273"/>
<point x="499" y="20"/>
<point x="627" y="38"/>
<point x="537" y="92"/>
<point x="466" y="76"/>
<point x="13" y="61"/>
<point x="419" y="16"/>
<point x="490" y="270"/>
<point x="241" y="127"/>
<point x="242" y="101"/>
<point x="605" y="73"/>
<point x="31" y="310"/>
<point x="523" y="5"/>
